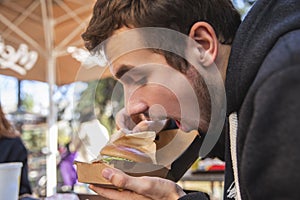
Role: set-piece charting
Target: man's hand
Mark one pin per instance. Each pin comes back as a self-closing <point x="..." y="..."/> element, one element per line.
<point x="137" y="187"/>
<point x="137" y="123"/>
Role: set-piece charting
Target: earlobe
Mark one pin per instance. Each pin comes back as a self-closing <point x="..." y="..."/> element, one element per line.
<point x="204" y="34"/>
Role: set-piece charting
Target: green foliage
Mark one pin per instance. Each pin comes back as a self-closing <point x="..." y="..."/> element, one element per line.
<point x="98" y="99"/>
<point x="34" y="138"/>
<point x="28" y="102"/>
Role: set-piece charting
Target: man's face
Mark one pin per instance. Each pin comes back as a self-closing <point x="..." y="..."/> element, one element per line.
<point x="158" y="91"/>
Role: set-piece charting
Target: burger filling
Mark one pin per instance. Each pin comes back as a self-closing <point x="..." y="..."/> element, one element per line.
<point x="108" y="159"/>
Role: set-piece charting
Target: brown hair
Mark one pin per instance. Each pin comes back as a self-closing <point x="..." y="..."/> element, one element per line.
<point x="6" y="129"/>
<point x="178" y="15"/>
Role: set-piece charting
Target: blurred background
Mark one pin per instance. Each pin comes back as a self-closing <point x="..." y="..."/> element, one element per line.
<point x="26" y="104"/>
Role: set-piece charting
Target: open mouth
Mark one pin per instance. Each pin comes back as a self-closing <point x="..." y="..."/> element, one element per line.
<point x="178" y="124"/>
<point x="183" y="126"/>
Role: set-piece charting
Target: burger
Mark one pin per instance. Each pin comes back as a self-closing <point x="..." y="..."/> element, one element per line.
<point x="136" y="147"/>
<point x="139" y="154"/>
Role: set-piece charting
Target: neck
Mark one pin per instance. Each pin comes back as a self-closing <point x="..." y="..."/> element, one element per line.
<point x="222" y="59"/>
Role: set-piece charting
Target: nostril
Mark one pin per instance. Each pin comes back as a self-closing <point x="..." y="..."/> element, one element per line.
<point x="136" y="118"/>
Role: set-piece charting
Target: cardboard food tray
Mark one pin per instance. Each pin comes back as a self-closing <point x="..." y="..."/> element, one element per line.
<point x="175" y="149"/>
<point x="91" y="172"/>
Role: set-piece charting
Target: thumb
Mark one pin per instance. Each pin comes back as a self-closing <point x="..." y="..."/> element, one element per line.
<point x="118" y="178"/>
<point x="124" y="121"/>
<point x="151" y="187"/>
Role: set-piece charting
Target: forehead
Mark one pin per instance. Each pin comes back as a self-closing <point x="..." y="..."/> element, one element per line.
<point x="132" y="44"/>
<point x="122" y="41"/>
<point x="137" y="59"/>
<point x="126" y="49"/>
<point x="125" y="40"/>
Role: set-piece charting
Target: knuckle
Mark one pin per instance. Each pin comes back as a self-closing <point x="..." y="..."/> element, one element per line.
<point x="119" y="181"/>
<point x="147" y="185"/>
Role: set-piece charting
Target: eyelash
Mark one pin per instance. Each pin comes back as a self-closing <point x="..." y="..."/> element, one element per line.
<point x="141" y="81"/>
<point x="128" y="80"/>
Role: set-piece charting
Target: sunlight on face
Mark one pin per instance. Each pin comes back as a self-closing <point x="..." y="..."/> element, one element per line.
<point x="195" y="99"/>
<point x="148" y="80"/>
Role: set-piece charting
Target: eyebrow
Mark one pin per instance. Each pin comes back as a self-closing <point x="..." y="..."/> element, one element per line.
<point x="122" y="70"/>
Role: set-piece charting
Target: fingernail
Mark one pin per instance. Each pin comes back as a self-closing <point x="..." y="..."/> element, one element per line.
<point x="126" y="131"/>
<point x="107" y="173"/>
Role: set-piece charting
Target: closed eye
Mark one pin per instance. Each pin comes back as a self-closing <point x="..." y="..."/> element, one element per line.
<point x="134" y="77"/>
<point x="128" y="80"/>
<point x="141" y="81"/>
<point x="131" y="75"/>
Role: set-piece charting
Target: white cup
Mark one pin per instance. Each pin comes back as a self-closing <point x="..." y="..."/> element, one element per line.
<point x="10" y="174"/>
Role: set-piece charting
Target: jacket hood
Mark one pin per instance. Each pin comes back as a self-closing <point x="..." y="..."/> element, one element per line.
<point x="265" y="23"/>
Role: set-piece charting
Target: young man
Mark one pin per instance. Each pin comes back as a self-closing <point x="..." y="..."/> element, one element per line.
<point x="262" y="80"/>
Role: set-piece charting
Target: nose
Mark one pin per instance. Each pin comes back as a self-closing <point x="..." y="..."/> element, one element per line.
<point x="134" y="103"/>
<point x="134" y="107"/>
<point x="136" y="111"/>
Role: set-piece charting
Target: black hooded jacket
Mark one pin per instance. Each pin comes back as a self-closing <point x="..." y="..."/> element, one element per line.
<point x="13" y="150"/>
<point x="263" y="89"/>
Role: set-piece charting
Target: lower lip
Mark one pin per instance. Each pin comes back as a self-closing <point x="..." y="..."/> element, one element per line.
<point x="178" y="124"/>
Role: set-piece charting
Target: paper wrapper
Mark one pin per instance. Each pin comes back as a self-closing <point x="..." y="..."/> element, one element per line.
<point x="171" y="145"/>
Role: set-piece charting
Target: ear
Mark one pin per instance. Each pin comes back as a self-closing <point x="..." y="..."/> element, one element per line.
<point x="204" y="34"/>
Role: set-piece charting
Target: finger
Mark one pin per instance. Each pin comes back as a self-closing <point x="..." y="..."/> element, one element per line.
<point x="116" y="177"/>
<point x="156" y="188"/>
<point x="116" y="194"/>
<point x="124" y="181"/>
<point x="123" y="120"/>
<point x="151" y="187"/>
<point x="147" y="125"/>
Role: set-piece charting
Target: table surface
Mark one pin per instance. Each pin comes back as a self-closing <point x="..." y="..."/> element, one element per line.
<point x="203" y="176"/>
<point x="90" y="197"/>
